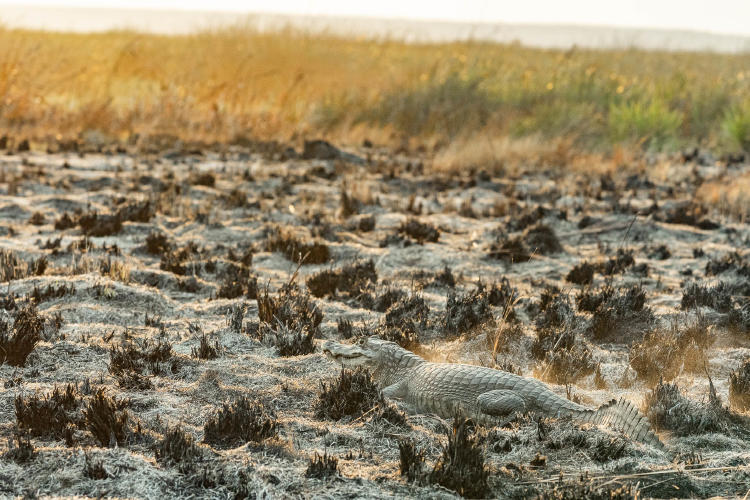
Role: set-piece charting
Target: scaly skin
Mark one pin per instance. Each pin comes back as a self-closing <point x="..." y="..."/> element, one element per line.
<point x="489" y="396"/>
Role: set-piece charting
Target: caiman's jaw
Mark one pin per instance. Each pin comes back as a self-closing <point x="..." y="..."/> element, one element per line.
<point x="349" y="355"/>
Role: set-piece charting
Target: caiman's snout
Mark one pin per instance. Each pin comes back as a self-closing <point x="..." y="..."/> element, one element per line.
<point x="344" y="354"/>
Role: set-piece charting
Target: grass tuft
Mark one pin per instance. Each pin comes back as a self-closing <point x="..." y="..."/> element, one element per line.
<point x="420" y="231"/>
<point x="664" y="353"/>
<point x="461" y="466"/>
<point x="297" y="250"/>
<point x="291" y="320"/>
<point x="177" y="447"/>
<point x="238" y="423"/>
<point x="106" y="419"/>
<point x="411" y="460"/>
<point x="54" y="415"/>
<point x="16" y="345"/>
<point x="322" y="466"/>
<point x="464" y="313"/>
<point x="739" y="387"/>
<point x="351" y="395"/>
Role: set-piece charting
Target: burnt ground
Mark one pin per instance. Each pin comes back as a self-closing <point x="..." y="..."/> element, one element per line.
<point x="147" y="273"/>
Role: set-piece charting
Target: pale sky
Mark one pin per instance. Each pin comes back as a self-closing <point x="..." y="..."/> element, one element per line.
<point x="718" y="16"/>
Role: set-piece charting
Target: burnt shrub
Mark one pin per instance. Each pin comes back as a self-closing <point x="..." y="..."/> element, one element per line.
<point x="501" y="294"/>
<point x="296" y="250"/>
<point x="237" y="198"/>
<point x="238" y="282"/>
<point x="739" y="387"/>
<point x="96" y="224"/>
<point x="37" y="219"/>
<point x="366" y="223"/>
<point x="323" y="283"/>
<point x="620" y="316"/>
<point x="39" y="265"/>
<point x="504" y="337"/>
<point x="206" y="350"/>
<point x="665" y="352"/>
<point x="599" y="446"/>
<point x="345" y="328"/>
<point x="564" y="357"/>
<point x="420" y="231"/>
<point x="351" y="280"/>
<point x="527" y="217"/>
<point x="352" y="394"/>
<point x="384" y="300"/>
<point x="157" y="243"/>
<point x="64" y="222"/>
<point x="322" y="466"/>
<point x="129" y="361"/>
<point x="51" y="292"/>
<point x="542" y="239"/>
<point x="16" y="343"/>
<point x="21" y="450"/>
<point x="12" y="267"/>
<point x="245" y="257"/>
<point x="94" y="469"/>
<point x="53" y="415"/>
<point x="290" y="319"/>
<point x="136" y="211"/>
<point x="464" y="313"/>
<point x="389" y="413"/>
<point x="618" y="264"/>
<point x="738" y="319"/>
<point x="106" y="419"/>
<point x="174" y="260"/>
<point x="731" y="261"/>
<point x="349" y="204"/>
<point x="177" y="447"/>
<point x="668" y="409"/>
<point x="461" y="466"/>
<point x="589" y="300"/>
<point x="404" y="321"/>
<point x="718" y="297"/>
<point x="581" y="274"/>
<point x="585" y="488"/>
<point x="555" y="310"/>
<point x="444" y="278"/>
<point x="230" y="289"/>
<point x="290" y="342"/>
<point x="238" y="423"/>
<point x="411" y="461"/>
<point x="510" y="250"/>
<point x="207" y="179"/>
<point x="566" y="365"/>
<point x="660" y="252"/>
<point x="689" y="213"/>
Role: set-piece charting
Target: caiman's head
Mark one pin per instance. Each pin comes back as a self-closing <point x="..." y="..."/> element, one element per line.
<point x="366" y="352"/>
<point x="379" y="356"/>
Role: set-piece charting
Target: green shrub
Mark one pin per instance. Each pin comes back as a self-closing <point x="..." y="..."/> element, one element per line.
<point x="736" y="126"/>
<point x="653" y="124"/>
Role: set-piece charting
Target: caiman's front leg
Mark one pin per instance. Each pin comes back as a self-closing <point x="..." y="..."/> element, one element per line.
<point x="395" y="391"/>
<point x="500" y="403"/>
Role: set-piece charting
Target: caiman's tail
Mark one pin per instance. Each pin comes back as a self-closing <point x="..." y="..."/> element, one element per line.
<point x="625" y="417"/>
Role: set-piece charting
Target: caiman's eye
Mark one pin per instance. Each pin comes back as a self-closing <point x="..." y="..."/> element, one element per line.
<point x="361" y="341"/>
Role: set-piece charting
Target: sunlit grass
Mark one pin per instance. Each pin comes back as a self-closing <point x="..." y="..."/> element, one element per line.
<point x="236" y="82"/>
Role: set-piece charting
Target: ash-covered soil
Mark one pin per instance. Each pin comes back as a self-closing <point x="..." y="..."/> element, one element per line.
<point x="175" y="302"/>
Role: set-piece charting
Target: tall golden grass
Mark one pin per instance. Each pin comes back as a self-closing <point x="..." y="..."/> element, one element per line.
<point x="235" y="82"/>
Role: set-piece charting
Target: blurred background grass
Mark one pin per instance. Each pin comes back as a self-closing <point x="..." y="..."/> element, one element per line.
<point x="235" y="82"/>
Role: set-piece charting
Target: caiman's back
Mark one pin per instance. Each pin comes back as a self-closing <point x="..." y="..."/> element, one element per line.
<point x="439" y="387"/>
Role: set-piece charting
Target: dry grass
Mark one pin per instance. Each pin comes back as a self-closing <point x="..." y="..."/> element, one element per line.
<point x="731" y="196"/>
<point x="476" y="103"/>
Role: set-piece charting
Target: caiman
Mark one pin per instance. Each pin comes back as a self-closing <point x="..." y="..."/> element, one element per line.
<point x="486" y="395"/>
